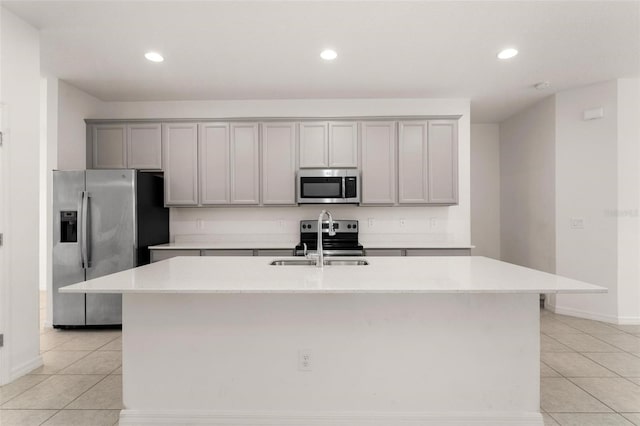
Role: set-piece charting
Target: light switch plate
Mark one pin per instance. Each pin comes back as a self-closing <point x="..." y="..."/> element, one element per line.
<point x="577" y="223"/>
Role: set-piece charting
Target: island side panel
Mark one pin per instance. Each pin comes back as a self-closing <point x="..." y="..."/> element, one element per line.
<point x="377" y="355"/>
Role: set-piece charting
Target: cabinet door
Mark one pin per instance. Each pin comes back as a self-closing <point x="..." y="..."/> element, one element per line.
<point x="162" y="254"/>
<point x="412" y="163"/>
<point x="144" y="146"/>
<point x="109" y="146"/>
<point x="279" y="163"/>
<point x="383" y="252"/>
<point x="180" y="147"/>
<point x="314" y="148"/>
<point x="343" y="144"/>
<point x="378" y="163"/>
<point x="443" y="162"/>
<point x="213" y="143"/>
<point x="228" y="252"/>
<point x="439" y="252"/>
<point x="245" y="172"/>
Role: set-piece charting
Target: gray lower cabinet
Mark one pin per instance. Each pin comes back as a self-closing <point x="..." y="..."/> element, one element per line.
<point x="234" y="252"/>
<point x="274" y="252"/>
<point x="417" y="252"/>
<point x="384" y="252"/>
<point x="162" y="254"/>
<point x="439" y="252"/>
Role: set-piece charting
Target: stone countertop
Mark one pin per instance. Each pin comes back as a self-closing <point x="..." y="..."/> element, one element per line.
<point x="386" y="275"/>
<point x="248" y="245"/>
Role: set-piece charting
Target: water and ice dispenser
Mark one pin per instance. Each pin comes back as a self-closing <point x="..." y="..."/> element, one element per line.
<point x="69" y="226"/>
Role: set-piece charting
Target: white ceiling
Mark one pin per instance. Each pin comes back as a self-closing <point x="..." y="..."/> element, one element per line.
<point x="270" y="50"/>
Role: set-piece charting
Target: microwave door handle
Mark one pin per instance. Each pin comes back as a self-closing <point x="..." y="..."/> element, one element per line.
<point x="344" y="188"/>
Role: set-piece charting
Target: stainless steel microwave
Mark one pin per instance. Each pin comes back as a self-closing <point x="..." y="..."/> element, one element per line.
<point x="319" y="186"/>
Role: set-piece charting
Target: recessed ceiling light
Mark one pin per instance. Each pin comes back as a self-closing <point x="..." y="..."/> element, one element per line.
<point x="328" y="55"/>
<point x="154" y="57"/>
<point x="507" y="53"/>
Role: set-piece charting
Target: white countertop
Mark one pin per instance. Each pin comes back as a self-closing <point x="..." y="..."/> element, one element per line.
<point x="248" y="245"/>
<point x="225" y="245"/>
<point x="455" y="274"/>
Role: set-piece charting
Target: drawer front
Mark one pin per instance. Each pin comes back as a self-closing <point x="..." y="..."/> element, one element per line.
<point x="158" y="255"/>
<point x="240" y="252"/>
<point x="275" y="252"/>
<point x="384" y="252"/>
<point x="439" y="252"/>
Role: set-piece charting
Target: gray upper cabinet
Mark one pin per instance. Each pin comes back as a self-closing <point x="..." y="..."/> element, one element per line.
<point x="412" y="162"/>
<point x="343" y="144"/>
<point x="144" y="146"/>
<point x="109" y="146"/>
<point x="278" y="163"/>
<point x="214" y="145"/>
<point x="443" y="162"/>
<point x="180" y="147"/>
<point x="245" y="166"/>
<point x="328" y="144"/>
<point x="428" y="162"/>
<point x="378" y="147"/>
<point x="126" y="146"/>
<point x="314" y="144"/>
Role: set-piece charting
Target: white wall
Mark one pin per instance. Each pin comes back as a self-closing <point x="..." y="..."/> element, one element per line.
<point x="20" y="82"/>
<point x="586" y="188"/>
<point x="527" y="178"/>
<point x="485" y="190"/>
<point x="452" y="224"/>
<point x="628" y="200"/>
<point x="49" y="162"/>
<point x="74" y="106"/>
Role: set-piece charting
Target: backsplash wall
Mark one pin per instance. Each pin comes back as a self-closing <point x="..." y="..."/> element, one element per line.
<point x="446" y="225"/>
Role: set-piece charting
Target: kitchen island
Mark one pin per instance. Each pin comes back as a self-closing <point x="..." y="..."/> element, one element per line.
<point x="400" y="341"/>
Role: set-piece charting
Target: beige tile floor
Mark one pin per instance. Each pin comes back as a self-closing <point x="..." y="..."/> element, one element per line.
<point x="590" y="375"/>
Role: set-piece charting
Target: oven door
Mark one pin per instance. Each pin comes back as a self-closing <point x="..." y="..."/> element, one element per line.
<point x="325" y="189"/>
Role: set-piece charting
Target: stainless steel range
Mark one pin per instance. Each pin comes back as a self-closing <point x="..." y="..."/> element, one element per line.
<point x="343" y="243"/>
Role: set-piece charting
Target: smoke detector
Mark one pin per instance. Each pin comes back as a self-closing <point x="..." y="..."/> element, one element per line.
<point x="543" y="85"/>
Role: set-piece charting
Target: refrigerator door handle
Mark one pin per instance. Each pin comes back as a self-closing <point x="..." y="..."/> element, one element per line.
<point x="85" y="239"/>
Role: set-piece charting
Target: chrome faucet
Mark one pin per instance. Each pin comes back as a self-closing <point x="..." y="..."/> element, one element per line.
<point x="332" y="232"/>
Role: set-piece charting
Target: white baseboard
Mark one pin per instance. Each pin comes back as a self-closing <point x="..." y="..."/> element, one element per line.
<point x="611" y="319"/>
<point x="217" y="418"/>
<point x="26" y="368"/>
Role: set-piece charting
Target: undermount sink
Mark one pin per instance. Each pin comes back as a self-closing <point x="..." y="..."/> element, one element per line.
<point x="327" y="262"/>
<point x="291" y="262"/>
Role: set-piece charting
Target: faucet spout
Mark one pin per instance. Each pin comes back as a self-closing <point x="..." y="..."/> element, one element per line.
<point x="331" y="231"/>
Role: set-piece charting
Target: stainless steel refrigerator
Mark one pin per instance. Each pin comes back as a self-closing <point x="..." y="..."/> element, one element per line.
<point x="104" y="222"/>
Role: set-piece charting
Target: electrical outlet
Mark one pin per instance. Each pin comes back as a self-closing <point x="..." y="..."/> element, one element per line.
<point x="370" y="222"/>
<point x="577" y="223"/>
<point x="433" y="223"/>
<point x="199" y="224"/>
<point x="281" y="223"/>
<point x="304" y="360"/>
<point x="402" y="223"/>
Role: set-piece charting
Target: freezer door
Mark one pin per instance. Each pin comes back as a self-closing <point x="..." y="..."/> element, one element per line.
<point x="112" y="241"/>
<point x="68" y="186"/>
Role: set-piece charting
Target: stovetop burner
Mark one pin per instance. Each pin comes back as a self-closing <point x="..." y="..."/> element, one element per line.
<point x="343" y="243"/>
